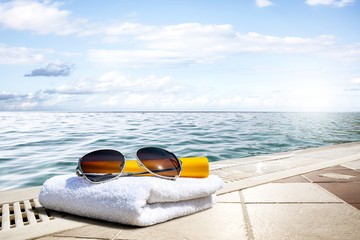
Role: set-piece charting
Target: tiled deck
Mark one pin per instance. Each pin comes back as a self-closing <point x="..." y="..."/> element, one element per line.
<point x="306" y="194"/>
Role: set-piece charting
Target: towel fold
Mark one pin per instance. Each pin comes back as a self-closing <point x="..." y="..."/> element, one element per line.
<point x="139" y="201"/>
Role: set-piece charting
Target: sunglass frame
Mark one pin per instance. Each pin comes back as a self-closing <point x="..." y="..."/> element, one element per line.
<point x="80" y="172"/>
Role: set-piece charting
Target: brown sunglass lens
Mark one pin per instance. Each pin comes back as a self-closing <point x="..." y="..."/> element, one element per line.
<point x="159" y="161"/>
<point x="102" y="165"/>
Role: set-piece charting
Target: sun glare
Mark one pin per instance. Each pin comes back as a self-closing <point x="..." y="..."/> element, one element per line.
<point x="311" y="98"/>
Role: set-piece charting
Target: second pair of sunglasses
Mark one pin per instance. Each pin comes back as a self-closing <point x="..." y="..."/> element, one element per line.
<point x="107" y="164"/>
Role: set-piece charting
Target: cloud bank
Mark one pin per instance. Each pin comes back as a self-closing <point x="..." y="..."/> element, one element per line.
<point x="195" y="43"/>
<point x="181" y="44"/>
<point x="114" y="82"/>
<point x="16" y="101"/>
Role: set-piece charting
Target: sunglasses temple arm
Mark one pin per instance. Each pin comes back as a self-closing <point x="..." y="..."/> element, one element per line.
<point x="78" y="172"/>
<point x="131" y="174"/>
<point x="154" y="171"/>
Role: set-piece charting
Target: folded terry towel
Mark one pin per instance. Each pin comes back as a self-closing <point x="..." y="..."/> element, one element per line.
<point x="139" y="201"/>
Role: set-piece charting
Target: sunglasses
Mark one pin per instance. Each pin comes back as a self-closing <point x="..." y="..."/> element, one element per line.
<point x="104" y="165"/>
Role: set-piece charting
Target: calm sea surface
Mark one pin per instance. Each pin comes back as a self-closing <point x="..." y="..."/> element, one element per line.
<point x="35" y="146"/>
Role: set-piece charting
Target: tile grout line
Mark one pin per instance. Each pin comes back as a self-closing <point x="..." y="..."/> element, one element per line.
<point x="116" y="235"/>
<point x="334" y="195"/>
<point x="246" y="217"/>
<point x="306" y="178"/>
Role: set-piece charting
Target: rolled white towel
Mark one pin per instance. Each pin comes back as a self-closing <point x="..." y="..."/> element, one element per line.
<point x="139" y="201"/>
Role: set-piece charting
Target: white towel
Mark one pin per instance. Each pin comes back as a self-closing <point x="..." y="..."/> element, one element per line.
<point x="139" y="201"/>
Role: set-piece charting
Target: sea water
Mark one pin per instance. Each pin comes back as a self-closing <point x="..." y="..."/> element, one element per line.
<point x="35" y="146"/>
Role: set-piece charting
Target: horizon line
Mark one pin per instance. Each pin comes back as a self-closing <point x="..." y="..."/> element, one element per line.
<point x="176" y="111"/>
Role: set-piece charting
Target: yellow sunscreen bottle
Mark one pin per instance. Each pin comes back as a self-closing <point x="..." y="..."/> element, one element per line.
<point x="195" y="167"/>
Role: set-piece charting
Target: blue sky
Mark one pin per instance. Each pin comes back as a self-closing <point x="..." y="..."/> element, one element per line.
<point x="250" y="55"/>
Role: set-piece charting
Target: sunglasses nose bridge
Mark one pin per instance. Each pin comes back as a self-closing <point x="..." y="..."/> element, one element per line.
<point x="129" y="156"/>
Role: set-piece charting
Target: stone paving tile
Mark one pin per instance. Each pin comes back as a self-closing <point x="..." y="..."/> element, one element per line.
<point x="223" y="221"/>
<point x="229" y="197"/>
<point x="287" y="192"/>
<point x="102" y="230"/>
<point x="304" y="221"/>
<point x="349" y="192"/>
<point x="334" y="174"/>
<point x="353" y="165"/>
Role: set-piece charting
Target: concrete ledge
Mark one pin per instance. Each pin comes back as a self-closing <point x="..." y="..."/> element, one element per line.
<point x="251" y="182"/>
<point x="19" y="194"/>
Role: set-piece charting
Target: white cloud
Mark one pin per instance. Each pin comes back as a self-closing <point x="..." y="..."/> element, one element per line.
<point x="194" y="101"/>
<point x="16" y="101"/>
<point x="135" y="57"/>
<point x="53" y="69"/>
<point x="263" y="3"/>
<point x="188" y="36"/>
<point x="112" y="101"/>
<point x="190" y="43"/>
<point x="21" y="55"/>
<point x="348" y="53"/>
<point x="38" y="17"/>
<point x="319" y="2"/>
<point x="303" y="98"/>
<point x="336" y="3"/>
<point x="32" y="101"/>
<point x="235" y="101"/>
<point x="136" y="100"/>
<point x="114" y="82"/>
<point x="181" y="44"/>
<point x="166" y="101"/>
<point x="53" y="101"/>
<point x="195" y="43"/>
